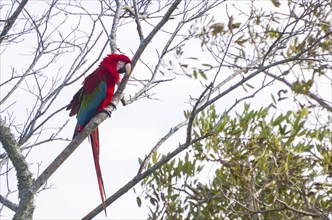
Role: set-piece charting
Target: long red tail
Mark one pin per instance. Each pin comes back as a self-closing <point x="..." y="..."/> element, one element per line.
<point x="94" y="138"/>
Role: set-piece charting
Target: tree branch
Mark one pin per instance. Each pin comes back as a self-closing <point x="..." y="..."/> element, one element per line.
<point x="91" y="126"/>
<point x="261" y="69"/>
<point x="114" y="29"/>
<point x="140" y="177"/>
<point x="164" y="160"/>
<point x="155" y="30"/>
<point x="137" y="20"/>
<point x="9" y="204"/>
<point x="162" y="140"/>
<point x="24" y="176"/>
<point x="313" y="96"/>
<point x="12" y="19"/>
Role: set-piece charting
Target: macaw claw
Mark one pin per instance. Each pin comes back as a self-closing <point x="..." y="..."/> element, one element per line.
<point x="108" y="112"/>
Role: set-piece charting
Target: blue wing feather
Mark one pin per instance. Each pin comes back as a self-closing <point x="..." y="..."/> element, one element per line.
<point x="89" y="105"/>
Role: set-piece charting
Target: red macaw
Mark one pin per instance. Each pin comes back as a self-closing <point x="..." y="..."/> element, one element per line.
<point x="95" y="94"/>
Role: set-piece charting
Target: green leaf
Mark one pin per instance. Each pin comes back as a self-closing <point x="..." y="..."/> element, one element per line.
<point x="241" y="42"/>
<point x="304" y="113"/>
<point x="278" y="120"/>
<point x="236" y="25"/>
<point x="276" y="3"/>
<point x="273" y="99"/>
<point x="140" y="161"/>
<point x="195" y="74"/>
<point x="274" y="33"/>
<point x="139" y="201"/>
<point x="202" y="74"/>
<point x="154" y="157"/>
<point x="192" y="58"/>
<point x="153" y="201"/>
<point x="250" y="86"/>
<point x="325" y="25"/>
<point x="186" y="113"/>
<point x="217" y="28"/>
<point x="207" y="65"/>
<point x="243" y="55"/>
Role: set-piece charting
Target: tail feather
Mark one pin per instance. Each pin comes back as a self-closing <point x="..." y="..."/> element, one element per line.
<point x="94" y="137"/>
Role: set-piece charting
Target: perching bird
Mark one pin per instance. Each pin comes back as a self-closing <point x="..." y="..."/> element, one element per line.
<point x="95" y="94"/>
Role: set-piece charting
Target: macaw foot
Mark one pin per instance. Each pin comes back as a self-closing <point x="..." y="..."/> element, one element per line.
<point x="112" y="104"/>
<point x="109" y="113"/>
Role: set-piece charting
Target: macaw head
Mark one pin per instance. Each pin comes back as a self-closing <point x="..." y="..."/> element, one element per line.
<point x="119" y="62"/>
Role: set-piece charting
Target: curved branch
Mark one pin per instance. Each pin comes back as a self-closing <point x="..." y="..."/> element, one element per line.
<point x="141" y="176"/>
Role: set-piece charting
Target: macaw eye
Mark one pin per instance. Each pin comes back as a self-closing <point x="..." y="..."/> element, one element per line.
<point x="122" y="70"/>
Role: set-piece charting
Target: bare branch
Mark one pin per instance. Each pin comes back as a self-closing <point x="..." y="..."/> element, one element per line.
<point x="146" y="41"/>
<point x="8" y="203"/>
<point x="12" y="19"/>
<point x="138" y="22"/>
<point x="115" y="24"/>
<point x="162" y="140"/>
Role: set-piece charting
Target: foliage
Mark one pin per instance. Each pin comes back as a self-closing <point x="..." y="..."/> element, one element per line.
<point x="258" y="162"/>
<point x="47" y="49"/>
<point x="263" y="164"/>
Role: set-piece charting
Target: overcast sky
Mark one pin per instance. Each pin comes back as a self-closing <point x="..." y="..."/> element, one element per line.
<point x="129" y="134"/>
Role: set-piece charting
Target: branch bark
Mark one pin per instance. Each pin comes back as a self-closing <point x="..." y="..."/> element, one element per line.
<point x="9" y="204"/>
<point x="25" y="207"/>
<point x="313" y="96"/>
<point x="146" y="41"/>
<point x="98" y="119"/>
<point x="12" y="20"/>
<point x="139" y="177"/>
<point x="156" y="147"/>
<point x="73" y="145"/>
<point x="261" y="69"/>
<point x="114" y="29"/>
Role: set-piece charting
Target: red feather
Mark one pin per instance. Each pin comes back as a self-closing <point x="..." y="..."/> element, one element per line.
<point x="107" y="70"/>
<point x="94" y="138"/>
<point x="87" y="102"/>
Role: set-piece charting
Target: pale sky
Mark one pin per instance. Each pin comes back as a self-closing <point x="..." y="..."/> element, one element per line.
<point x="129" y="134"/>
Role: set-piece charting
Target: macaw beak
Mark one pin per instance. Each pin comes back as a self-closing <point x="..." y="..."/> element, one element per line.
<point x="128" y="68"/>
<point x="125" y="69"/>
